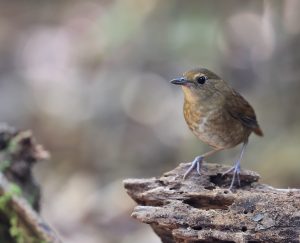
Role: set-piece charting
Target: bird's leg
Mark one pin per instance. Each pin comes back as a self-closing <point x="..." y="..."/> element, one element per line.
<point x="236" y="169"/>
<point x="198" y="162"/>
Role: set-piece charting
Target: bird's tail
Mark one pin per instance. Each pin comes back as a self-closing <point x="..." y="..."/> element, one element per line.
<point x="258" y="131"/>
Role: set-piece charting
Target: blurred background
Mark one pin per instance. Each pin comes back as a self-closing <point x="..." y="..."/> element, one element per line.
<point x="90" y="78"/>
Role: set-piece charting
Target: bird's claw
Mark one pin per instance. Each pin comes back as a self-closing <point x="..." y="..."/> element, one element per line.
<point x="195" y="164"/>
<point x="236" y="175"/>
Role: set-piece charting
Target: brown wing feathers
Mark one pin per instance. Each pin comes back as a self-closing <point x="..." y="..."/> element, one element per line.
<point x="240" y="109"/>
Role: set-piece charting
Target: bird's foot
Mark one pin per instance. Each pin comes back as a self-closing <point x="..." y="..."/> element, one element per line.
<point x="236" y="175"/>
<point x="195" y="164"/>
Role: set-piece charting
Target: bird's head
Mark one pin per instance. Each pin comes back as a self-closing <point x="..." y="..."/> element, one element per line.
<point x="200" y="84"/>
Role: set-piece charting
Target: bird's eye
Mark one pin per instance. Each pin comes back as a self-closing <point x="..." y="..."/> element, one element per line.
<point x="201" y="79"/>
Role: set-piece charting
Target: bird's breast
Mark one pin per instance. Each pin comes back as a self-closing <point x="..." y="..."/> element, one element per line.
<point x="214" y="126"/>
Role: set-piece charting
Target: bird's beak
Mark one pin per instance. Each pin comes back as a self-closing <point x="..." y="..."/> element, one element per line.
<point x="179" y="81"/>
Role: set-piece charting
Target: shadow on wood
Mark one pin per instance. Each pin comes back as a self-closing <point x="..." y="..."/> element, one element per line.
<point x="201" y="209"/>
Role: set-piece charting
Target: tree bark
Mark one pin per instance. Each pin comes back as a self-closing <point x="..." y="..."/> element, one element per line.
<point x="202" y="209"/>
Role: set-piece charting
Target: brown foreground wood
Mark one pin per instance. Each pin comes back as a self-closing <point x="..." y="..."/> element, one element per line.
<point x="201" y="209"/>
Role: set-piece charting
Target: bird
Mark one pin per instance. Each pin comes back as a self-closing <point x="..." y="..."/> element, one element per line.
<point x="218" y="115"/>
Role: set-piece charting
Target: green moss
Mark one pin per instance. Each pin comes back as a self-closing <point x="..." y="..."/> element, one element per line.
<point x="17" y="231"/>
<point x="4" y="199"/>
<point x="12" y="147"/>
<point x="4" y="165"/>
<point x="15" y="190"/>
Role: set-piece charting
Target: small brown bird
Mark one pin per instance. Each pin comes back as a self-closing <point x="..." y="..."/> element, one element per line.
<point x="217" y="115"/>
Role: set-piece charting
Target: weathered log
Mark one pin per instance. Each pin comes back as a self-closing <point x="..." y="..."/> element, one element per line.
<point x="202" y="209"/>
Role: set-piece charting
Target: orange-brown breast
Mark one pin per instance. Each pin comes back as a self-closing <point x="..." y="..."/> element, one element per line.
<point x="214" y="125"/>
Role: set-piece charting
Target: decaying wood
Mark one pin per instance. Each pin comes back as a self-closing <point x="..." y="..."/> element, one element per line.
<point x="29" y="221"/>
<point x="201" y="209"/>
<point x="19" y="192"/>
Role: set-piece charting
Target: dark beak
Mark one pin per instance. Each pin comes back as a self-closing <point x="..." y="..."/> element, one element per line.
<point x="179" y="81"/>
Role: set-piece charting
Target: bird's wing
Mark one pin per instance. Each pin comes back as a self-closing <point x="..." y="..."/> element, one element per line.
<point x="241" y="110"/>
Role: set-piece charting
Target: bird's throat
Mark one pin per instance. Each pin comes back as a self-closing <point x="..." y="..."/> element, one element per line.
<point x="190" y="95"/>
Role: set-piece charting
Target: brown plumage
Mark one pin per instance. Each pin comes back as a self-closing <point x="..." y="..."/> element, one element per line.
<point x="217" y="114"/>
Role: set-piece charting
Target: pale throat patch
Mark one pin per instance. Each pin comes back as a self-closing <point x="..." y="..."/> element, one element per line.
<point x="189" y="94"/>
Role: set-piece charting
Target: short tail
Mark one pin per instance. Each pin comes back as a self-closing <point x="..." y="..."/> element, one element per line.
<point x="258" y="131"/>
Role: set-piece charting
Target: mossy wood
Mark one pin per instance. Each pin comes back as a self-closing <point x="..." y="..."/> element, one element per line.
<point x="19" y="222"/>
<point x="201" y="209"/>
<point x="19" y="192"/>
